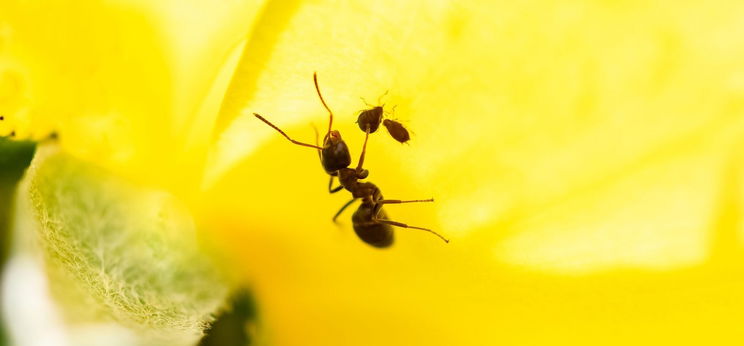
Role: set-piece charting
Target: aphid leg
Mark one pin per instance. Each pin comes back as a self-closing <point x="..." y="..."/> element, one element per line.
<point x="379" y="99"/>
<point x="399" y="224"/>
<point x="284" y="134"/>
<point x="330" y="114"/>
<point x="392" y="111"/>
<point x="366" y="103"/>
<point x="364" y="151"/>
<point x="335" y="189"/>
<point x="397" y="201"/>
<point x="343" y="208"/>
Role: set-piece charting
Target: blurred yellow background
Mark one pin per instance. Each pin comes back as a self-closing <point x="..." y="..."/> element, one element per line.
<point x="585" y="157"/>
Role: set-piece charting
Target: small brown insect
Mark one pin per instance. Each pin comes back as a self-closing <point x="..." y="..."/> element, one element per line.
<point x="396" y="130"/>
<point x="372" y="117"/>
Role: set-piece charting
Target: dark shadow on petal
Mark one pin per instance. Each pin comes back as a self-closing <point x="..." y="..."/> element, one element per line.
<point x="14" y="159"/>
<point x="235" y="325"/>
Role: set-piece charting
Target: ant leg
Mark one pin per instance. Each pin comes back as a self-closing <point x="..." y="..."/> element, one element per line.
<point x="284" y="134"/>
<point x="335" y="189"/>
<point x="330" y="121"/>
<point x="399" y="224"/>
<point x="344" y="208"/>
<point x="364" y="151"/>
<point x="397" y="201"/>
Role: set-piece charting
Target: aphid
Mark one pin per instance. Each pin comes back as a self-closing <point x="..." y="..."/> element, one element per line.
<point x="396" y="130"/>
<point x="370" y="221"/>
<point x="371" y="117"/>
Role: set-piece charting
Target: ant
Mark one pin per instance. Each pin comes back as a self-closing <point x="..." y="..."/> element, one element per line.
<point x="370" y="220"/>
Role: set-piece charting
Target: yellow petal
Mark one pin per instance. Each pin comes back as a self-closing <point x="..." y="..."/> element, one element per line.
<point x="125" y="84"/>
<point x="583" y="156"/>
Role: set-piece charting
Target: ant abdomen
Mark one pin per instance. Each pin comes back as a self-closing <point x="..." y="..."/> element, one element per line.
<point x="370" y="118"/>
<point x="374" y="233"/>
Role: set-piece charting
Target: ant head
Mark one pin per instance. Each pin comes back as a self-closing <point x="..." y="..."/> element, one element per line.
<point x="334" y="136"/>
<point x="335" y="153"/>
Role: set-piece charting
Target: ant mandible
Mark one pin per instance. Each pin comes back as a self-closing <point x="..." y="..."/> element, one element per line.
<point x="370" y="220"/>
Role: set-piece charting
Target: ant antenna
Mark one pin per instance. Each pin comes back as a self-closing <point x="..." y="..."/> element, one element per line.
<point x="330" y="121"/>
<point x="285" y="135"/>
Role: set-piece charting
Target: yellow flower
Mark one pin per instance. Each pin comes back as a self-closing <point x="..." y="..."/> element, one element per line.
<point x="585" y="159"/>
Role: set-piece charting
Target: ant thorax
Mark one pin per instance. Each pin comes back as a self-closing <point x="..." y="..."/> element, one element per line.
<point x="348" y="178"/>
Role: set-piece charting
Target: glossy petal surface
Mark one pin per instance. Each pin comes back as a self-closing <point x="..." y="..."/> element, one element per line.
<point x="585" y="158"/>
